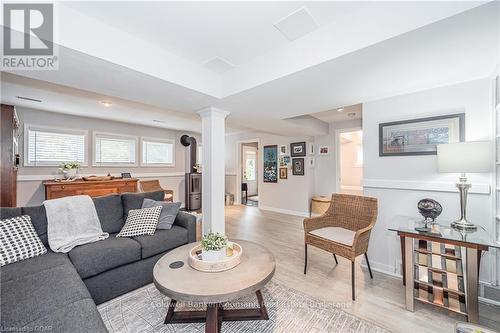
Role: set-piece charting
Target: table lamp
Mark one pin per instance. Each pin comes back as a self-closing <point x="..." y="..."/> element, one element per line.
<point x="463" y="157"/>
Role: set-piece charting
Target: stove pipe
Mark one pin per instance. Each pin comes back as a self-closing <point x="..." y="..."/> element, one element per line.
<point x="189" y="141"/>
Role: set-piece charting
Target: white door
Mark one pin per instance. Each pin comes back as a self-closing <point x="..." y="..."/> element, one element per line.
<point x="249" y="169"/>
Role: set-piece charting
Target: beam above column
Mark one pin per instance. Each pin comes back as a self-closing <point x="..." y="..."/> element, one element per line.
<point x="213" y="169"/>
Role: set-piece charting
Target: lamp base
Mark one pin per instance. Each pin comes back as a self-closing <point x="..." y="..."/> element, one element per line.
<point x="463" y="225"/>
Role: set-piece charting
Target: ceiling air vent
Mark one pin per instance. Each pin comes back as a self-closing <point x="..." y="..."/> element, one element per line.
<point x="297" y="24"/>
<point x="29" y="99"/>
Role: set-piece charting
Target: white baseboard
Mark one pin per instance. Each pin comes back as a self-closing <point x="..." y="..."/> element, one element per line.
<point x="284" y="211"/>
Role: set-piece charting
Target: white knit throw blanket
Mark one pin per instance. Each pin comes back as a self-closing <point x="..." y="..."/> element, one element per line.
<point x="72" y="221"/>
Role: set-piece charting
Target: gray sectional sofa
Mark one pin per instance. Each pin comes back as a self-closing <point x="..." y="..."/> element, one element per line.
<point x="61" y="291"/>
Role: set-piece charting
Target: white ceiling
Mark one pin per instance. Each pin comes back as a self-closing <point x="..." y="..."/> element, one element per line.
<point x="199" y="31"/>
<point x="341" y="63"/>
<point x="340" y="114"/>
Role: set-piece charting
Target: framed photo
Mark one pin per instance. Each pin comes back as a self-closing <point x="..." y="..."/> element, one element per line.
<point x="310" y="148"/>
<point x="420" y="136"/>
<point x="298" y="149"/>
<point x="297" y="166"/>
<point x="126" y="175"/>
<point x="283" y="173"/>
<point x="271" y="164"/>
<point x="324" y="150"/>
<point x="283" y="149"/>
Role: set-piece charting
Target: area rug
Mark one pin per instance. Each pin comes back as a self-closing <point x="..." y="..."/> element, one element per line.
<point x="143" y="310"/>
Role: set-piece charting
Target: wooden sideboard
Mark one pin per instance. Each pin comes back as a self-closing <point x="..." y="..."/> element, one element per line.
<point x="54" y="189"/>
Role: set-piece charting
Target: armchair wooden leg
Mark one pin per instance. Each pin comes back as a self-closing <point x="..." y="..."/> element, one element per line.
<point x="368" y="264"/>
<point x="353" y="281"/>
<point x="335" y="257"/>
<point x="305" y="258"/>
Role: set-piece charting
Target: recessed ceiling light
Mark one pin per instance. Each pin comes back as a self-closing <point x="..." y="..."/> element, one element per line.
<point x="106" y="103"/>
<point x="340" y="109"/>
<point x="29" y="99"/>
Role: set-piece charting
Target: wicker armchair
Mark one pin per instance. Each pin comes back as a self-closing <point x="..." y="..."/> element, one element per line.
<point x="344" y="229"/>
<point x="154" y="185"/>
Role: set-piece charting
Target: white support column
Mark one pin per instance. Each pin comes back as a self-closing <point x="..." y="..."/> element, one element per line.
<point x="213" y="169"/>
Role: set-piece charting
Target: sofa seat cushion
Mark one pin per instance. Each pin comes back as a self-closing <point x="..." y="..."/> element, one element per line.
<point x="94" y="258"/>
<point x="79" y="316"/>
<point x="335" y="234"/>
<point x="162" y="240"/>
<point x="32" y="266"/>
<point x="42" y="293"/>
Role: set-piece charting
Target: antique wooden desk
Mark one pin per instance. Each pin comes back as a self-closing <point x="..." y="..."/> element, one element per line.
<point x="55" y="189"/>
<point x="441" y="267"/>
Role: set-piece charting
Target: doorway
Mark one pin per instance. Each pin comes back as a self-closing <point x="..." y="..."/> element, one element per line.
<point x="249" y="174"/>
<point x="350" y="161"/>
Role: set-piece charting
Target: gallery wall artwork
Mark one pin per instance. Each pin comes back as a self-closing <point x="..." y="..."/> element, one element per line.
<point x="283" y="173"/>
<point x="298" y="149"/>
<point x="297" y="166"/>
<point x="420" y="136"/>
<point x="324" y="150"/>
<point x="270" y="164"/>
<point x="283" y="150"/>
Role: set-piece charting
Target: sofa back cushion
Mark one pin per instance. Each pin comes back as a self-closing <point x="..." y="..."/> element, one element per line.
<point x="110" y="211"/>
<point x="134" y="200"/>
<point x="37" y="215"/>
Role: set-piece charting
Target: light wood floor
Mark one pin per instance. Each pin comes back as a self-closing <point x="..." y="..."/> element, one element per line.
<point x="380" y="300"/>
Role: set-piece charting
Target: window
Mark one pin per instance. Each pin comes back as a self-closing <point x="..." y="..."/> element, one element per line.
<point x="45" y="146"/>
<point x="157" y="152"/>
<point x="111" y="149"/>
<point x="250" y="166"/>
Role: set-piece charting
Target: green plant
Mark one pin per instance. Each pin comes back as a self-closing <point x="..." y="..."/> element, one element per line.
<point x="69" y="165"/>
<point x="214" y="242"/>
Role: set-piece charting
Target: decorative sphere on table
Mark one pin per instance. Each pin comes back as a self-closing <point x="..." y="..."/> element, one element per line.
<point x="429" y="209"/>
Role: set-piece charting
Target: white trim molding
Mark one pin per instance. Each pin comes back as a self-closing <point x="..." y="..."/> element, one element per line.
<point x="34" y="178"/>
<point x="284" y="211"/>
<point x="423" y="186"/>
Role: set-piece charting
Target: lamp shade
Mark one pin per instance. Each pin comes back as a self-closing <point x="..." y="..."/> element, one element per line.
<point x="463" y="157"/>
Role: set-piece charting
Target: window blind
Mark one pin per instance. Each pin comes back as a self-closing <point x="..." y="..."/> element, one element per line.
<point x="50" y="147"/>
<point x="114" y="150"/>
<point x="157" y="152"/>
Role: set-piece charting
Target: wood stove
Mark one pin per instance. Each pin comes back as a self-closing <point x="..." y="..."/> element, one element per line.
<point x="193" y="178"/>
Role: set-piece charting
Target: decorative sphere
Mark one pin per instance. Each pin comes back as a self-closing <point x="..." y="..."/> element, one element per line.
<point x="429" y="208"/>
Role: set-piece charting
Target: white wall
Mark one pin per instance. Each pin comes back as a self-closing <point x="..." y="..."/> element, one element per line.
<point x="30" y="189"/>
<point x="473" y="98"/>
<point x="290" y="195"/>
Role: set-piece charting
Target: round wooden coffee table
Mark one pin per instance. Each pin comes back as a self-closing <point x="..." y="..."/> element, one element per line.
<point x="187" y="284"/>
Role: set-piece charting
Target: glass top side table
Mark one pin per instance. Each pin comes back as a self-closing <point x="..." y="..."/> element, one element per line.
<point x="426" y="256"/>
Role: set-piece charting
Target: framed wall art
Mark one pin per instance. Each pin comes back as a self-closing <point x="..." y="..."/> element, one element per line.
<point x="420" y="136"/>
<point x="283" y="149"/>
<point x="298" y="149"/>
<point x="270" y="164"/>
<point x="323" y="150"/>
<point x="297" y="166"/>
<point x="283" y="173"/>
<point x="310" y="149"/>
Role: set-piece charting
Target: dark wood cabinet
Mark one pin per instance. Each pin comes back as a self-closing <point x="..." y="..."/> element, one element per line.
<point x="9" y="130"/>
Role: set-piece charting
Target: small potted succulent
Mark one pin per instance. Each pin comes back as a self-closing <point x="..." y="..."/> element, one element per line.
<point x="69" y="169"/>
<point x="213" y="247"/>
